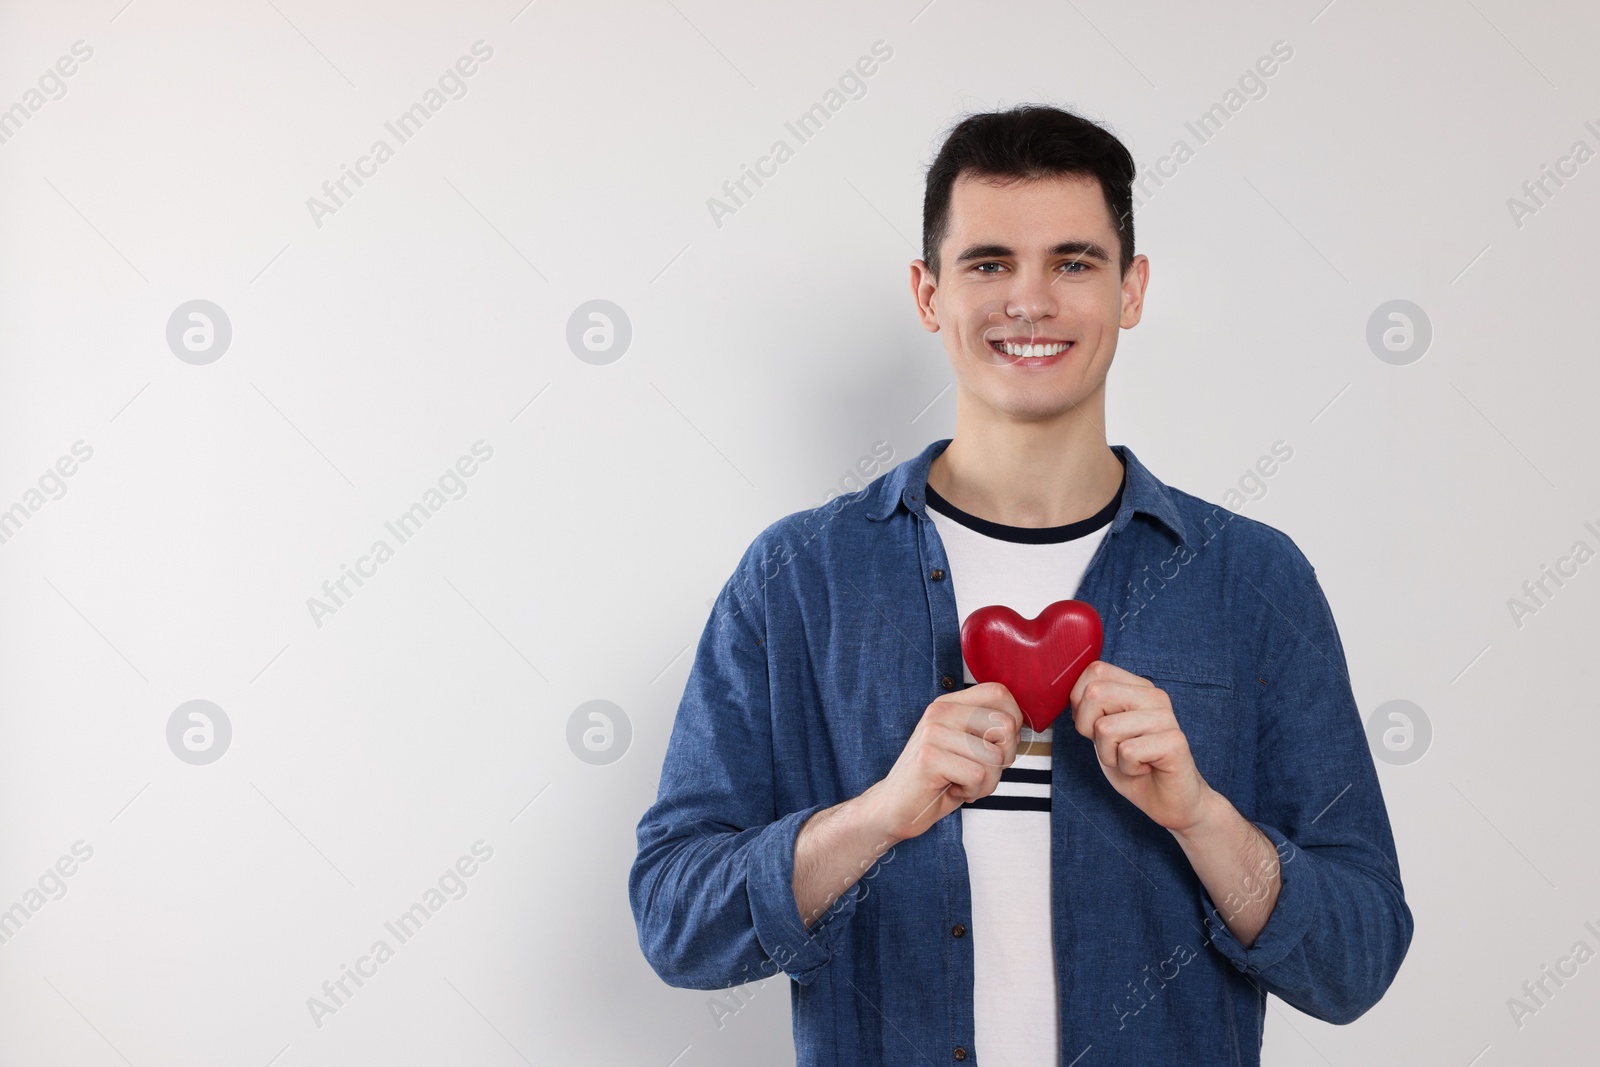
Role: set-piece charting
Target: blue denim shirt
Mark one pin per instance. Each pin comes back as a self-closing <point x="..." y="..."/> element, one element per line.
<point x="834" y="633"/>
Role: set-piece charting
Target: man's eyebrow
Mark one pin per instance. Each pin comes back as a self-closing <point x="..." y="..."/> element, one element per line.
<point x="1084" y="249"/>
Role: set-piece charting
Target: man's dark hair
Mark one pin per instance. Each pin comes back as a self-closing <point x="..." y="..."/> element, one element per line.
<point x="1028" y="142"/>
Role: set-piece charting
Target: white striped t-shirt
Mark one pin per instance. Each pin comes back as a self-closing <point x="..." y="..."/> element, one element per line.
<point x="1007" y="834"/>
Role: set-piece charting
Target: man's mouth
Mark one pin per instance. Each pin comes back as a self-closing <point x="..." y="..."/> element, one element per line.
<point x="1030" y="352"/>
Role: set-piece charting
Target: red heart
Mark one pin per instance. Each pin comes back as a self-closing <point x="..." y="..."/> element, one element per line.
<point x="1038" y="659"/>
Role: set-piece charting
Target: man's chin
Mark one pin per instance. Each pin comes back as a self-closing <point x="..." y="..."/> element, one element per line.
<point x="1033" y="405"/>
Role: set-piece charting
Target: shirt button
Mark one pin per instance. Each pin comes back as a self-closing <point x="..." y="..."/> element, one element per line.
<point x="958" y="930"/>
<point x="961" y="1053"/>
<point x="937" y="574"/>
<point x="947" y="682"/>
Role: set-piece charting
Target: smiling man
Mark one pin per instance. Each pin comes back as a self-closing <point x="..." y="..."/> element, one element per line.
<point x="841" y="802"/>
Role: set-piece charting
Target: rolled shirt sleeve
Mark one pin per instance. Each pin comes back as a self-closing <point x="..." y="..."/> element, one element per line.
<point x="712" y="885"/>
<point x="1341" y="926"/>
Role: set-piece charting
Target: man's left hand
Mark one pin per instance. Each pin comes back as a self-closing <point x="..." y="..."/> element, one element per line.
<point x="1141" y="749"/>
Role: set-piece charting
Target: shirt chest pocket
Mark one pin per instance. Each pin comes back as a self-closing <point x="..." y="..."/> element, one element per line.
<point x="1203" y="701"/>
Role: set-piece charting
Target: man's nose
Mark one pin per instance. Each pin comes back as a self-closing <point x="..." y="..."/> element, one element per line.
<point x="1032" y="297"/>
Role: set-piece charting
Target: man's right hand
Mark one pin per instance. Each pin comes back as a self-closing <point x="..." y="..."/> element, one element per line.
<point x="955" y="754"/>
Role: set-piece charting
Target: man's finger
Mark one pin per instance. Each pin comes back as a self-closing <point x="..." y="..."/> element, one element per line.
<point x="962" y="742"/>
<point x="1109" y="698"/>
<point x="1147" y="753"/>
<point x="1110" y="731"/>
<point x="1101" y="671"/>
<point x="986" y="695"/>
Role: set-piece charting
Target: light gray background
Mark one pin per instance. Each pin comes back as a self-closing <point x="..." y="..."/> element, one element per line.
<point x="768" y="355"/>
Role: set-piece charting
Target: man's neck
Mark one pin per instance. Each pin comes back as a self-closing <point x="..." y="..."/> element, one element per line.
<point x="1027" y="474"/>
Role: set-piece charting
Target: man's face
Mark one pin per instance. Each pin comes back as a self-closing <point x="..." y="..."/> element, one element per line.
<point x="1030" y="262"/>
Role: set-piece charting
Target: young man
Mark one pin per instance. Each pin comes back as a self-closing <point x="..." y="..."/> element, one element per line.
<point x="1201" y="827"/>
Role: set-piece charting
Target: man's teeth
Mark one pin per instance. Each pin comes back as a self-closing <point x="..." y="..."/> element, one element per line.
<point x="1033" y="351"/>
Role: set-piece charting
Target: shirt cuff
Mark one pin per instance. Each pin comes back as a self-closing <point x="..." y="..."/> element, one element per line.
<point x="773" y="909"/>
<point x="1290" y="918"/>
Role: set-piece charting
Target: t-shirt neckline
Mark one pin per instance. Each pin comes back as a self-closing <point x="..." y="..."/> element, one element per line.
<point x="1030" y="535"/>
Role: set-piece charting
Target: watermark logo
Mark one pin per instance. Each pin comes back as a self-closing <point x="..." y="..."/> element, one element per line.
<point x="1537" y="992"/>
<point x="1540" y="590"/>
<point x="337" y="592"/>
<point x="1251" y="486"/>
<point x="1252" y="85"/>
<point x="598" y="732"/>
<point x="851" y="485"/>
<point x="599" y="332"/>
<point x="1138" y="594"/>
<point x="1252" y="483"/>
<point x="51" y="886"/>
<point x="852" y="85"/>
<point x="1399" y="733"/>
<point x="736" y="1000"/>
<point x="452" y="85"/>
<point x="199" y="732"/>
<point x="199" y="332"/>
<point x="451" y="886"/>
<point x="51" y="486"/>
<point x="1399" y="332"/>
<point x="1125" y="1008"/>
<point x="1538" y="191"/>
<point x="866" y="468"/>
<point x="52" y="86"/>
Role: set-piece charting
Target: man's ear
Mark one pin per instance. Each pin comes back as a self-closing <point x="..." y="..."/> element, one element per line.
<point x="923" y="287"/>
<point x="1134" y="284"/>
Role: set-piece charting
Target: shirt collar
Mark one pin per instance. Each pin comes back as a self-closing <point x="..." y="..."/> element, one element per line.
<point x="1143" y="492"/>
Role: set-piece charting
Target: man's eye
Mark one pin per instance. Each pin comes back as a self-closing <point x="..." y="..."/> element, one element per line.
<point x="1079" y="264"/>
